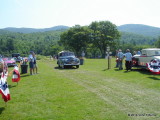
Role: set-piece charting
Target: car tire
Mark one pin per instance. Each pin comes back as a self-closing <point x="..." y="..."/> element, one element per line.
<point x="77" y="66"/>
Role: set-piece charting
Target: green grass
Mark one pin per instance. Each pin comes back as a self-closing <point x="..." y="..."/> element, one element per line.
<point x="91" y="92"/>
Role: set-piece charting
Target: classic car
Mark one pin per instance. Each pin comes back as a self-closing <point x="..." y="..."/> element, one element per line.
<point x="10" y="61"/>
<point x="66" y="58"/>
<point x="146" y="56"/>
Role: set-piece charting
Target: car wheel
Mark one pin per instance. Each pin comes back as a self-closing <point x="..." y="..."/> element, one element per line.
<point x="77" y="66"/>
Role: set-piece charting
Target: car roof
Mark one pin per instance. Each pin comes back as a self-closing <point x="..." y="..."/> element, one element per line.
<point x="151" y="49"/>
<point x="65" y="52"/>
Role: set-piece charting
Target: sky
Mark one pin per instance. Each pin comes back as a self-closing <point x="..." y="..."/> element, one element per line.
<point x="49" y="13"/>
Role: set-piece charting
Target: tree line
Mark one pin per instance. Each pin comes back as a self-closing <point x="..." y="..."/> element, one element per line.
<point x="92" y="39"/>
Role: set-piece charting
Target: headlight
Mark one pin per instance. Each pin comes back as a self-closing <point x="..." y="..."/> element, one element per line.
<point x="77" y="60"/>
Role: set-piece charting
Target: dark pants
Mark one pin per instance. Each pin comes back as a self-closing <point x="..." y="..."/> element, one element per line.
<point x="128" y="65"/>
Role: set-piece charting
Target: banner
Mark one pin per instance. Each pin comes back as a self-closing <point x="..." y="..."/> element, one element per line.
<point x="4" y="90"/>
<point x="16" y="74"/>
<point x="154" y="66"/>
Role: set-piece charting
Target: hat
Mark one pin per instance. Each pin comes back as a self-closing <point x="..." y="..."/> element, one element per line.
<point x="128" y="50"/>
<point x="120" y="50"/>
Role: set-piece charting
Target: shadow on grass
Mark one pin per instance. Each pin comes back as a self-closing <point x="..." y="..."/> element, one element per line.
<point x="25" y="75"/>
<point x="11" y="86"/>
<point x="66" y="68"/>
<point x="1" y="109"/>
<point x="142" y="71"/>
<point x="154" y="78"/>
<point x="105" y="69"/>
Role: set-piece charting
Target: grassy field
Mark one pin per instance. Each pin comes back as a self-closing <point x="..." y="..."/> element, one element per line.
<point x="91" y="92"/>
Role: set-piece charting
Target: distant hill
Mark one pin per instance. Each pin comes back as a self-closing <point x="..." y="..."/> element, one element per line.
<point x="33" y="30"/>
<point x="136" y="39"/>
<point x="129" y="28"/>
<point x="4" y="32"/>
<point x="140" y="29"/>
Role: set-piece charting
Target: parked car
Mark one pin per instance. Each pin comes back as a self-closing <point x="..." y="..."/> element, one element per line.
<point x="11" y="62"/>
<point x="146" y="56"/>
<point x="66" y="58"/>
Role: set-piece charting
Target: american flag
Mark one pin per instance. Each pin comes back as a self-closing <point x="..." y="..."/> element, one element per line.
<point x="4" y="90"/>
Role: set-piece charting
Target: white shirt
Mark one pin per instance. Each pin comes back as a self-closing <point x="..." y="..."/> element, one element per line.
<point x="120" y="55"/>
<point x="30" y="58"/>
<point x="128" y="56"/>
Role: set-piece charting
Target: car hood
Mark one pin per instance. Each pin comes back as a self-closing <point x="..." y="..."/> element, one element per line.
<point x="9" y="61"/>
<point x="68" y="57"/>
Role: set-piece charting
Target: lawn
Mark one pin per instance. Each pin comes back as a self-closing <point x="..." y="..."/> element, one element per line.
<point x="91" y="92"/>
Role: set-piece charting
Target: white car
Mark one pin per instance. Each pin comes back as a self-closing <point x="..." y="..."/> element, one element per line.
<point x="145" y="57"/>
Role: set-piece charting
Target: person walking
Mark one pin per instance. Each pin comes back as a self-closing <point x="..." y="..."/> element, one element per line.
<point x="128" y="63"/>
<point x="120" y="57"/>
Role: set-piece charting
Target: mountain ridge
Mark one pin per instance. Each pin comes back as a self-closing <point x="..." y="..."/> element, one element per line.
<point x="33" y="30"/>
<point x="130" y="28"/>
<point x="141" y="29"/>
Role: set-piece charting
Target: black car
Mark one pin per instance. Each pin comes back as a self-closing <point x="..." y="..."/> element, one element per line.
<point x="17" y="57"/>
<point x="66" y="58"/>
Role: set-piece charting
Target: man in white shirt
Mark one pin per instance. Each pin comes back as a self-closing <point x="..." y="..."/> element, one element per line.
<point x="128" y="56"/>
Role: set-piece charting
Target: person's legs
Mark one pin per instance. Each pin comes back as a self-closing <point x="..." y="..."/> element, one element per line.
<point x="31" y="71"/>
<point x="31" y="68"/>
<point x="117" y="64"/>
<point x="130" y="65"/>
<point x="127" y="65"/>
<point x="120" y="64"/>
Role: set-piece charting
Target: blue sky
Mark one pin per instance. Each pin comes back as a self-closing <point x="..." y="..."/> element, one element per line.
<point x="49" y="13"/>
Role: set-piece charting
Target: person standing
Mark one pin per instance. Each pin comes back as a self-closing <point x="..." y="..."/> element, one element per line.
<point x="34" y="63"/>
<point x="120" y="57"/>
<point x="116" y="56"/>
<point x="128" y="56"/>
<point x="31" y="61"/>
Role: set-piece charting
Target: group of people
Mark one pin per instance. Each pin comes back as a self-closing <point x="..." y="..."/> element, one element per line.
<point x="119" y="59"/>
<point x="32" y="63"/>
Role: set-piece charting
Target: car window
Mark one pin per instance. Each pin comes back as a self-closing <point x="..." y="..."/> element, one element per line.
<point x="157" y="52"/>
<point x="66" y="54"/>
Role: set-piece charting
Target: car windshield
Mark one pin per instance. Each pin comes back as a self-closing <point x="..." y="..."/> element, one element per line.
<point x="153" y="53"/>
<point x="66" y="54"/>
<point x="157" y="53"/>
